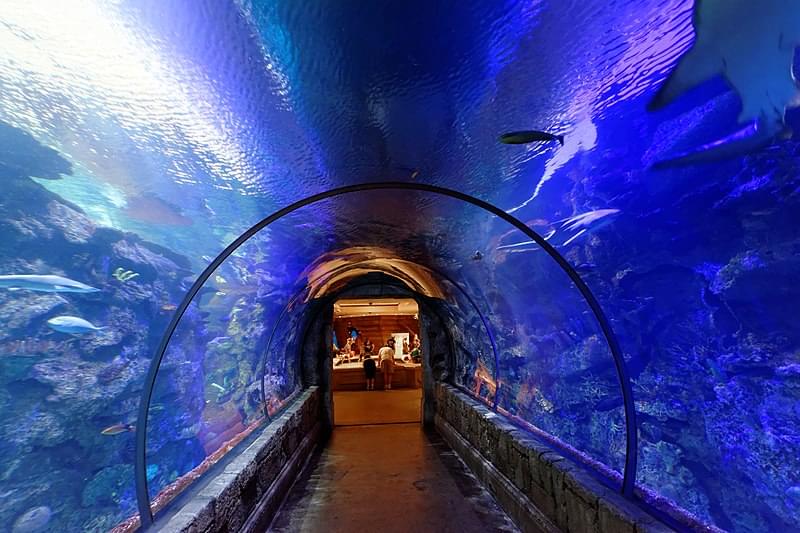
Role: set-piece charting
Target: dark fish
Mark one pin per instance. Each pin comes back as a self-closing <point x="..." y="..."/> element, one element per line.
<point x="529" y="136"/>
<point x="477" y="256"/>
<point x="116" y="429"/>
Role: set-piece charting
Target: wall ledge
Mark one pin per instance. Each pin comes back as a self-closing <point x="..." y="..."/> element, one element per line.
<point x="248" y="491"/>
<point x="538" y="487"/>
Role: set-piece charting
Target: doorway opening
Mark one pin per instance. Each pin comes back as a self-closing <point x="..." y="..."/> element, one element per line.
<point x="377" y="361"/>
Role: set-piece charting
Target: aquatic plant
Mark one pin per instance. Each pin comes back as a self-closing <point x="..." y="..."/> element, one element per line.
<point x="124" y="275"/>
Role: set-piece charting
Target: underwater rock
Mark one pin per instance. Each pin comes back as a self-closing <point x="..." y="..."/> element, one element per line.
<point x="739" y="264"/>
<point x="141" y="255"/>
<point x="35" y="427"/>
<point x="106" y="486"/>
<point x="72" y="380"/>
<point x="21" y="156"/>
<point x="20" y="310"/>
<point x="31" y="229"/>
<point x="789" y="371"/>
<point x="33" y="520"/>
<point x="76" y="227"/>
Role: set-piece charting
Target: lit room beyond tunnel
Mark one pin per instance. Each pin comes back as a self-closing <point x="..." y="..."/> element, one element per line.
<point x="583" y="215"/>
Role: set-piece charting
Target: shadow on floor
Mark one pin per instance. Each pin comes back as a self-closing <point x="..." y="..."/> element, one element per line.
<point x="388" y="478"/>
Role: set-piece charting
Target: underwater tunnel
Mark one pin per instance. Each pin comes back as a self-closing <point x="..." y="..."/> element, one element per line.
<point x="593" y="206"/>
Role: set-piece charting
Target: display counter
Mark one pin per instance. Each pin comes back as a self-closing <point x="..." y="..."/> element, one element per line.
<point x="350" y="376"/>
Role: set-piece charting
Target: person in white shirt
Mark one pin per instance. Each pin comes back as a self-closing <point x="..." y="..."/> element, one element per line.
<point x="386" y="356"/>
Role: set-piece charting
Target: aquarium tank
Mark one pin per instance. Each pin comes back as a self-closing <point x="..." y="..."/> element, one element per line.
<point x="652" y="144"/>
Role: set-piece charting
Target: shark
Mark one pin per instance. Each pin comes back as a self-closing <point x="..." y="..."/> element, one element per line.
<point x="751" y="44"/>
<point x="73" y="325"/>
<point x="571" y="228"/>
<point x="45" y="283"/>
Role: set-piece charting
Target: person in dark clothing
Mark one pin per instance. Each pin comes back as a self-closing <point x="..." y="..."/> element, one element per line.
<point x="369" y="372"/>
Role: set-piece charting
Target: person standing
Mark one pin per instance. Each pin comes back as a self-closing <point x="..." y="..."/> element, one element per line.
<point x="386" y="356"/>
<point x="369" y="372"/>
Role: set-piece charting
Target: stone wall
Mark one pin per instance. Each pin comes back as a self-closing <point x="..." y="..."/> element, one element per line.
<point x="248" y="492"/>
<point x="539" y="488"/>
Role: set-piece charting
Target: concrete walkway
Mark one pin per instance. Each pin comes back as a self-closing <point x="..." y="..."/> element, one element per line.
<point x="388" y="478"/>
<point x="376" y="407"/>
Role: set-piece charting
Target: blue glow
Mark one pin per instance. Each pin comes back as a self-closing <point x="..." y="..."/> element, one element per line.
<point x="138" y="139"/>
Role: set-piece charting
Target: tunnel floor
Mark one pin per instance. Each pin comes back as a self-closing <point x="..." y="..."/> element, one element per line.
<point x="376" y="407"/>
<point x="391" y="477"/>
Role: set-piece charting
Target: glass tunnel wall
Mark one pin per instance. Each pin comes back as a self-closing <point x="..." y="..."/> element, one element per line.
<point x="136" y="141"/>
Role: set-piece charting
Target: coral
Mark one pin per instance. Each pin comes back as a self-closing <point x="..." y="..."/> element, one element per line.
<point x="124" y="275"/>
<point x="106" y="487"/>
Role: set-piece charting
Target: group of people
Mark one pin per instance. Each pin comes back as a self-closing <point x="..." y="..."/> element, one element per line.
<point x="355" y="350"/>
<point x="386" y="357"/>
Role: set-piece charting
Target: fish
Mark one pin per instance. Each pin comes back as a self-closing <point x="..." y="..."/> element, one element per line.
<point x="45" y="283"/>
<point x="218" y="340"/>
<point x="73" y="325"/>
<point x="153" y="210"/>
<point x="529" y="136"/>
<point x="745" y="141"/>
<point x="207" y="207"/>
<point x="571" y="228"/>
<point x="116" y="429"/>
<point x="585" y="268"/>
<point x="169" y="307"/>
<point x="756" y="59"/>
<point x="477" y="256"/>
<point x="220" y="388"/>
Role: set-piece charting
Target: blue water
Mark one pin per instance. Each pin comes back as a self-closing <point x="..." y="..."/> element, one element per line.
<point x="138" y="139"/>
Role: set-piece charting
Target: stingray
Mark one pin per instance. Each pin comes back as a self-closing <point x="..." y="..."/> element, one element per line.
<point x="152" y="209"/>
<point x="751" y="44"/>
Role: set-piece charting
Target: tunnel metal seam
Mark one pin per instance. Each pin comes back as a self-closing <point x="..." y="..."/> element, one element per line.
<point x="628" y="483"/>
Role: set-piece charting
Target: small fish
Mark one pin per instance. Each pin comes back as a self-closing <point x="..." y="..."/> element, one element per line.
<point x="73" y="325"/>
<point x="477" y="256"/>
<point x="208" y="208"/>
<point x="116" y="429"/>
<point x="220" y="388"/>
<point x="169" y="307"/>
<point x="46" y="283"/>
<point x="529" y="136"/>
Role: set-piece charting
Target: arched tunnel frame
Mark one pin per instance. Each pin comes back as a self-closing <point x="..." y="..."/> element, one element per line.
<point x="344" y="268"/>
<point x="631" y="444"/>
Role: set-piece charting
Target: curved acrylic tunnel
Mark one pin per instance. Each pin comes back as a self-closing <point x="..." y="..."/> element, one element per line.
<point x="509" y="382"/>
<point x="138" y="139"/>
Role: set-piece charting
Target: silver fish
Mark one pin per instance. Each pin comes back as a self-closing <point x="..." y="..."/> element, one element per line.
<point x="73" y="325"/>
<point x="571" y="228"/>
<point x="46" y="283"/>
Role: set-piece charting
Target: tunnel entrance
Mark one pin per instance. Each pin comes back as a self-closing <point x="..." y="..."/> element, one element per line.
<point x="376" y="374"/>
